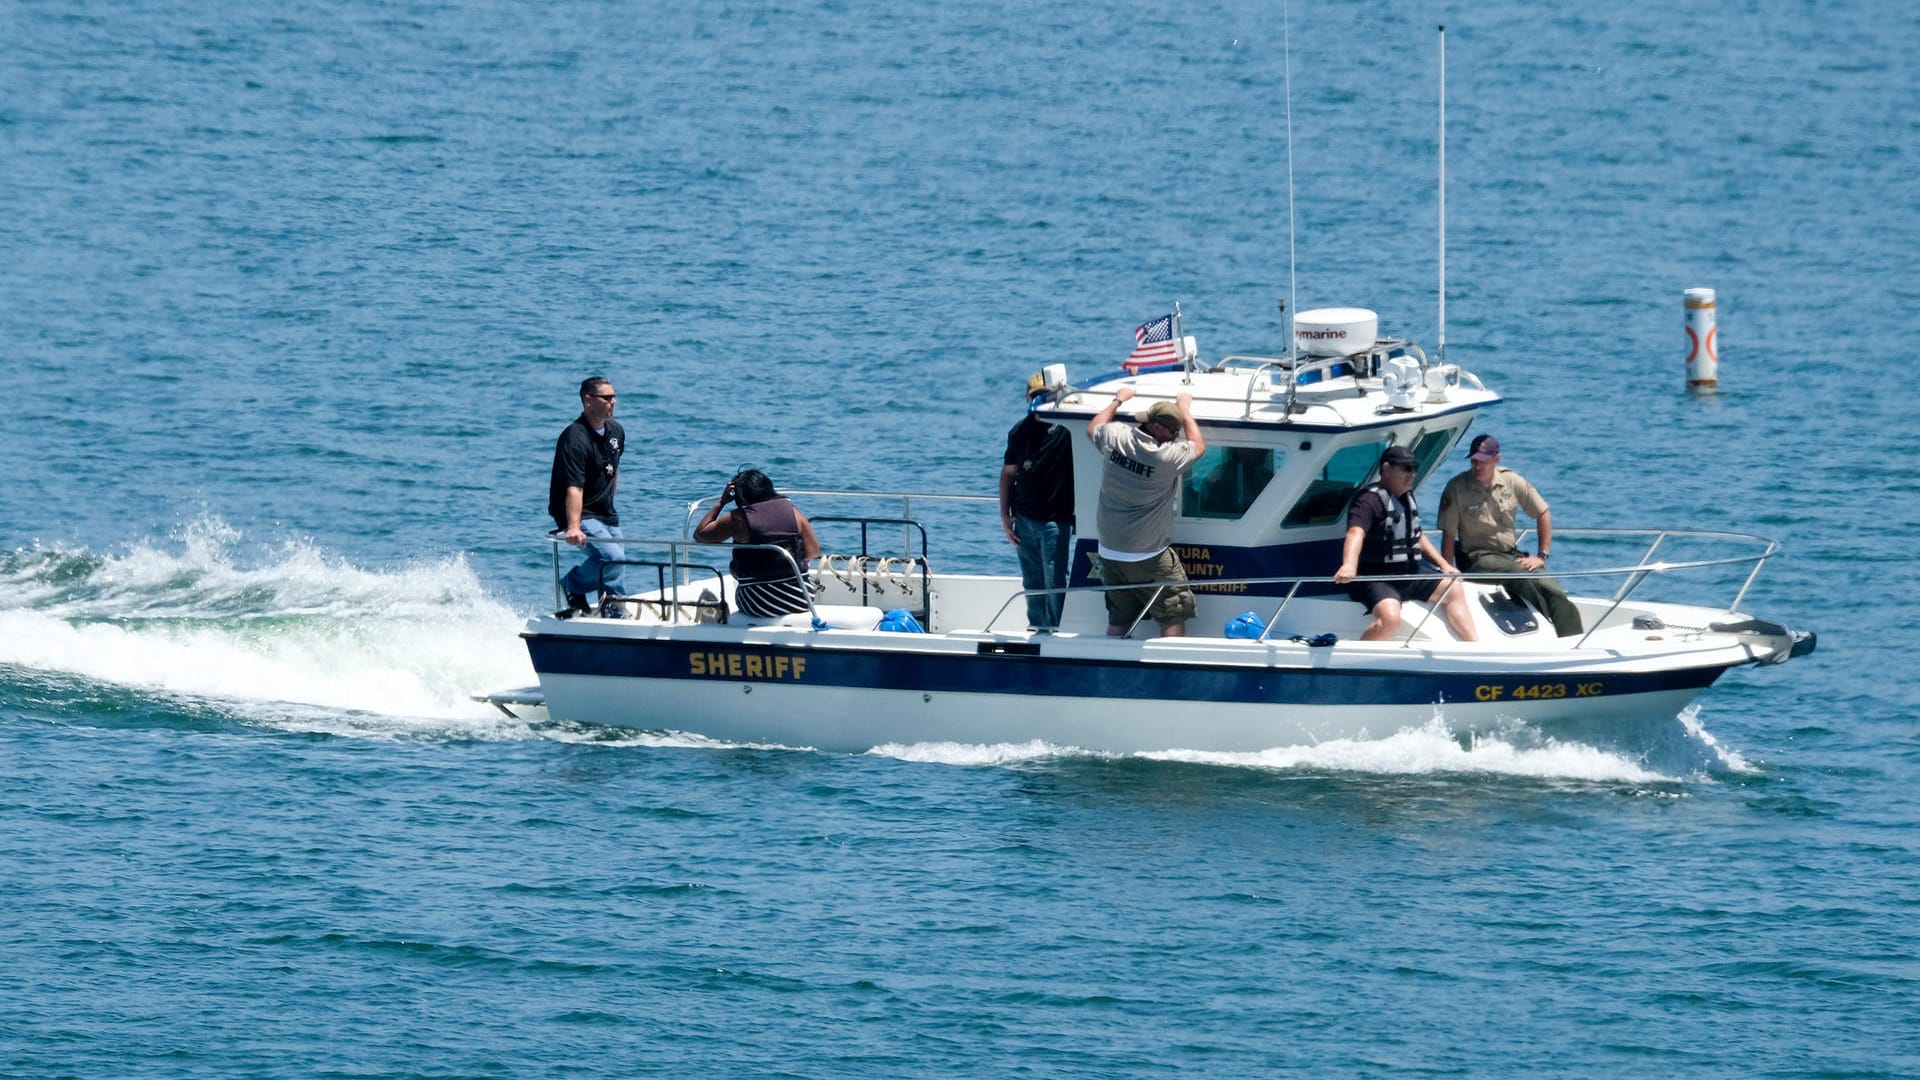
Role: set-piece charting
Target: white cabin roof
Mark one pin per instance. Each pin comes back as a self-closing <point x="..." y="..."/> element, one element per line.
<point x="1250" y="393"/>
<point x="1284" y="457"/>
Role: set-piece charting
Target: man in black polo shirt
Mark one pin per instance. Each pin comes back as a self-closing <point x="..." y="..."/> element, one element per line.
<point x="586" y="469"/>
<point x="1036" y="507"/>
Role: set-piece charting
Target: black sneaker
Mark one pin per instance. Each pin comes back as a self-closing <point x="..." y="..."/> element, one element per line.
<point x="611" y="607"/>
<point x="576" y="605"/>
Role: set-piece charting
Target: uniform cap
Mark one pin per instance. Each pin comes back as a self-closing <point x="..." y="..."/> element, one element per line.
<point x="1167" y="415"/>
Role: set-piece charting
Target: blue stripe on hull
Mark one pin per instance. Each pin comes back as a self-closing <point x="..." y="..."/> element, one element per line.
<point x="1041" y="677"/>
<point x="1215" y="562"/>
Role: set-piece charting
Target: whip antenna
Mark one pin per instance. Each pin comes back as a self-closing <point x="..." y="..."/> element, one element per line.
<point x="1441" y="352"/>
<point x="1293" y="287"/>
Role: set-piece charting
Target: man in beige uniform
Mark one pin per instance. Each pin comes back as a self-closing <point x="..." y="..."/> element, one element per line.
<point x="1478" y="509"/>
<point x="1140" y="471"/>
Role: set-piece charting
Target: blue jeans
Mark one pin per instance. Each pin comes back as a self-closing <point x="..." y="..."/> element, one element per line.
<point x="601" y="570"/>
<point x="1044" y="550"/>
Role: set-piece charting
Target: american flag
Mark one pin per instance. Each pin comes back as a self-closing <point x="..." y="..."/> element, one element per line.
<point x="1153" y="343"/>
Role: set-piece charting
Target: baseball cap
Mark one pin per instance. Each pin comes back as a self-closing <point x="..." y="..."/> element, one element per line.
<point x="1167" y="415"/>
<point x="1484" y="448"/>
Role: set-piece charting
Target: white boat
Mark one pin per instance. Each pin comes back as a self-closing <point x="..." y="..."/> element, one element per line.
<point x="1314" y="426"/>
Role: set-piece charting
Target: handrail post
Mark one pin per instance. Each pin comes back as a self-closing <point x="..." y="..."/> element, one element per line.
<point x="814" y="621"/>
<point x="1620" y="593"/>
<point x="1274" y="620"/>
<point x="1748" y="584"/>
<point x="906" y="529"/>
<point x="1158" y="591"/>
<point x="673" y="563"/>
<point x="866" y="552"/>
<point x="1246" y="405"/>
<point x="1432" y="606"/>
<point x="1634" y="577"/>
<point x="1004" y="605"/>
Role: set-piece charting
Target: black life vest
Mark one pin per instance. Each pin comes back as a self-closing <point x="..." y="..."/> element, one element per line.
<point x="1394" y="540"/>
<point x="770" y="522"/>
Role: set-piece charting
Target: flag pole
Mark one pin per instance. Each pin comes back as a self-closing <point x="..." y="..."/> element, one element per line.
<point x="1180" y="347"/>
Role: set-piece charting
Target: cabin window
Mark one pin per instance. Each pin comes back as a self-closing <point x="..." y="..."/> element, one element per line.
<point x="1226" y="480"/>
<point x="1429" y="449"/>
<point x="1327" y="496"/>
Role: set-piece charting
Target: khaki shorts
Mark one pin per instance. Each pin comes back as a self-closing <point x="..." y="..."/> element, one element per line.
<point x="1124" y="605"/>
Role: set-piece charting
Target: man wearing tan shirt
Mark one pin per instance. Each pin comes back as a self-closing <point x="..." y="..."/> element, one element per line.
<point x="1478" y="509"/>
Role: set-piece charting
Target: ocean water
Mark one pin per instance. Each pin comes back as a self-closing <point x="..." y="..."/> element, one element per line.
<point x="293" y="299"/>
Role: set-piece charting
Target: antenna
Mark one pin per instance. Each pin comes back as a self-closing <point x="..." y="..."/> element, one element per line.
<point x="1441" y="352"/>
<point x="1293" y="286"/>
<point x="1180" y="348"/>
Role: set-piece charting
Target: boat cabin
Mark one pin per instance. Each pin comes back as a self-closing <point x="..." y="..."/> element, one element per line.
<point x="1290" y="442"/>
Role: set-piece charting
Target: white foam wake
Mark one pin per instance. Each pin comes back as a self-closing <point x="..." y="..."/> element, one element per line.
<point x="291" y="626"/>
<point x="952" y="753"/>
<point x="1434" y="748"/>
<point x="1430" y="749"/>
<point x="1726" y="756"/>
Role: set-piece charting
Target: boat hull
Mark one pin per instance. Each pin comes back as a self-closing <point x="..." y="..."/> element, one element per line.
<point x="852" y="720"/>
<point x="855" y="691"/>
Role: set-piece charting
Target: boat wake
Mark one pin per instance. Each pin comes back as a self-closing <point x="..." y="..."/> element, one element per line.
<point x="1689" y="751"/>
<point x="297" y="639"/>
<point x="291" y="637"/>
<point x="1435" y="749"/>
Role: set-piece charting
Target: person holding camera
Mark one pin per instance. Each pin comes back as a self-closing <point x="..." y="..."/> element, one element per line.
<point x="767" y="582"/>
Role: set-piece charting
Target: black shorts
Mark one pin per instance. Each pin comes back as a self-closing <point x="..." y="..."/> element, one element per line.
<point x="1369" y="593"/>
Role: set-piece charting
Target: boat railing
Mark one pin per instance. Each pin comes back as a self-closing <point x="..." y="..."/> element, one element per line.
<point x="673" y="572"/>
<point x="851" y="568"/>
<point x="1635" y="575"/>
<point x="1645" y="568"/>
<point x="697" y="508"/>
<point x="1293" y="405"/>
<point x="1290" y="371"/>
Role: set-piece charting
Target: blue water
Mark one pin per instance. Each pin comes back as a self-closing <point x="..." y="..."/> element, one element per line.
<point x="293" y="299"/>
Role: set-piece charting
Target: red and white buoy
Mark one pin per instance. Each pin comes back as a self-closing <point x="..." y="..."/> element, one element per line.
<point x="1703" y="348"/>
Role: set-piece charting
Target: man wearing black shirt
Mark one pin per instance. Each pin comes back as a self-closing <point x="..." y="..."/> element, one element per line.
<point x="1036" y="507"/>
<point x="586" y="469"/>
<point x="1384" y="537"/>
